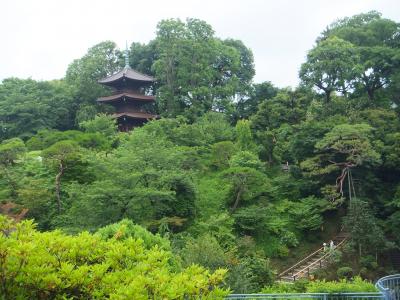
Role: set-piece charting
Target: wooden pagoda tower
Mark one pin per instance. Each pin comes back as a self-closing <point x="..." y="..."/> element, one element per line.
<point x="129" y="98"/>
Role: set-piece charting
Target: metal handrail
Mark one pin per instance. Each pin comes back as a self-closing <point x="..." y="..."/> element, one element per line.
<point x="389" y="286"/>
<point x="319" y="260"/>
<point x="303" y="260"/>
<point x="300" y="262"/>
<point x="323" y="296"/>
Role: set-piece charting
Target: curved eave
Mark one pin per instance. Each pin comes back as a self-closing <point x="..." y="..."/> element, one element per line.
<point x="124" y="74"/>
<point x="138" y="115"/>
<point x="137" y="97"/>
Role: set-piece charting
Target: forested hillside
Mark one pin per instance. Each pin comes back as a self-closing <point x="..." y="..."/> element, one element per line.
<point x="235" y="175"/>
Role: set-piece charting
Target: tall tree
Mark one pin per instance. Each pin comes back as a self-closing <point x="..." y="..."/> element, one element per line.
<point x="343" y="148"/>
<point x="331" y="66"/>
<point x="10" y="151"/>
<point x="27" y="106"/>
<point x="196" y="71"/>
<point x="377" y="42"/>
<point x="259" y="93"/>
<point x="61" y="156"/>
<point x="100" y="61"/>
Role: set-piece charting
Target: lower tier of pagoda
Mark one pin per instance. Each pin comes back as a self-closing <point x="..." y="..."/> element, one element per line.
<point x="130" y="120"/>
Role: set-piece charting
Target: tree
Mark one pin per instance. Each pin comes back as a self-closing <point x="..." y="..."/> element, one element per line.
<point x="100" y="61"/>
<point x="331" y="66"/>
<point x="27" y="106"/>
<point x="244" y="137"/>
<point x="288" y="106"/>
<point x="205" y="251"/>
<point x="247" y="185"/>
<point x="61" y="156"/>
<point x="10" y="151"/>
<point x="221" y="153"/>
<point x="142" y="57"/>
<point x="376" y="40"/>
<point x="363" y="227"/>
<point x="101" y="124"/>
<point x="343" y="148"/>
<point x="196" y="71"/>
<point x="259" y="93"/>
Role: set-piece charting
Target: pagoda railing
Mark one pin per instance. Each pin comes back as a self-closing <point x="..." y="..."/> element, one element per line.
<point x="389" y="286"/>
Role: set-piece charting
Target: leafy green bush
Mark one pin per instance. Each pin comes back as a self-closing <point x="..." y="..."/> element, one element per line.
<point x="299" y="286"/>
<point x="246" y="159"/>
<point x="126" y="229"/>
<point x="205" y="251"/>
<point x="321" y="286"/>
<point x="54" y="265"/>
<point x="342" y="286"/>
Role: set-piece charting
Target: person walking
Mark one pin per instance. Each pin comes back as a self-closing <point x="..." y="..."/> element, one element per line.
<point x="331" y="245"/>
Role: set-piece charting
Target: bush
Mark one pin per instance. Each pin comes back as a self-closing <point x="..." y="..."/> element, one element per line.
<point x="205" y="251"/>
<point x="342" y="286"/>
<point x="299" y="286"/>
<point x="250" y="274"/>
<point x="221" y="153"/>
<point x="126" y="229"/>
<point x="246" y="159"/>
<point x="54" y="265"/>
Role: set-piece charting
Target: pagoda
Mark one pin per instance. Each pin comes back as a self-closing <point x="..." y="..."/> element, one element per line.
<point x="129" y="97"/>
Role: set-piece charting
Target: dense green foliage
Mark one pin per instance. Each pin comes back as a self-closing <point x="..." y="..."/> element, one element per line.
<point x="53" y="265"/>
<point x="236" y="175"/>
<point x="322" y="286"/>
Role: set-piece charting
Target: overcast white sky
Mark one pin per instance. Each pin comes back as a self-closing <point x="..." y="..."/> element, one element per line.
<point x="40" y="38"/>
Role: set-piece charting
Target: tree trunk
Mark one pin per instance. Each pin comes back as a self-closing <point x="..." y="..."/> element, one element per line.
<point x="58" y="186"/>
<point x="270" y="158"/>
<point x="370" y="93"/>
<point x="235" y="205"/>
<point x="328" y="96"/>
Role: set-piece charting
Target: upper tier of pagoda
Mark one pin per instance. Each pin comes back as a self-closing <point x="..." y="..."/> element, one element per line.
<point x="127" y="77"/>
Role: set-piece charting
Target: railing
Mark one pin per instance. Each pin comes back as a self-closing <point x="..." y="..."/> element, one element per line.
<point x="301" y="262"/>
<point x="304" y="260"/>
<point x="389" y="287"/>
<point x="319" y="262"/>
<point x="305" y="296"/>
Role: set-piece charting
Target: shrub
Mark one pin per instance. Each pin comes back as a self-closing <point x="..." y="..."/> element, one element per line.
<point x="342" y="286"/>
<point x="126" y="229"/>
<point x="205" y="251"/>
<point x="53" y="265"/>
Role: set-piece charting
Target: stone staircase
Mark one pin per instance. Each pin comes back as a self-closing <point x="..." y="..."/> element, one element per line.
<point x="316" y="260"/>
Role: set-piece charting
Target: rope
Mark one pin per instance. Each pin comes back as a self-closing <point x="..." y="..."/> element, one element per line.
<point x="352" y="190"/>
<point x="352" y="184"/>
<point x="349" y="184"/>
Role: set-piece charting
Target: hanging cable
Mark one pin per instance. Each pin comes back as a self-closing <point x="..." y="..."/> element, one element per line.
<point x="352" y="185"/>
<point x="349" y="186"/>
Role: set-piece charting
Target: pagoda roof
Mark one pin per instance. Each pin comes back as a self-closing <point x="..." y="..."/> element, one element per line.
<point x="129" y="95"/>
<point x="135" y="115"/>
<point x="128" y="73"/>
